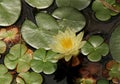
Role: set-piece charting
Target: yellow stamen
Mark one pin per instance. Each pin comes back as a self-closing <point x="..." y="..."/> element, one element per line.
<point x="66" y="43"/>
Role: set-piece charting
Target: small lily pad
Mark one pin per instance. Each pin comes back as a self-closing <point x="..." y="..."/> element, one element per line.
<point x="104" y="9"/>
<point x="40" y="35"/>
<point x="19" y="57"/>
<point x="2" y="47"/>
<point x="69" y="17"/>
<point x="95" y="48"/>
<point x="5" y="76"/>
<point x="9" y="11"/>
<point x="44" y="61"/>
<point x="29" y="78"/>
<point x="39" y="3"/>
<point x="78" y="4"/>
<point x="10" y="34"/>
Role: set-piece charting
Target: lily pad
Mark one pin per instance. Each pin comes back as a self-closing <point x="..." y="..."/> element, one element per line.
<point x="69" y="17"/>
<point x="5" y="76"/>
<point x="40" y="35"/>
<point x="104" y="9"/>
<point x="79" y="4"/>
<point x="19" y="57"/>
<point x="9" y="11"/>
<point x="39" y="3"/>
<point x="43" y="61"/>
<point x="115" y="44"/>
<point x="2" y="47"/>
<point x="95" y="48"/>
<point x="29" y="78"/>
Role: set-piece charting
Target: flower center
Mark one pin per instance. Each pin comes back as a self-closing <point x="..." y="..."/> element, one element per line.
<point x="66" y="43"/>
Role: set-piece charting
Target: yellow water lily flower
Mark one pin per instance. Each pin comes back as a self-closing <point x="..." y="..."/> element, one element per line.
<point x="67" y="43"/>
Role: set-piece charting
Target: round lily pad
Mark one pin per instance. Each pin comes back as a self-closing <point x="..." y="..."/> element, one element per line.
<point x="39" y="3"/>
<point x="40" y="35"/>
<point x="29" y="78"/>
<point x="9" y="11"/>
<point x="115" y="44"/>
<point x="69" y="17"/>
<point x="79" y="4"/>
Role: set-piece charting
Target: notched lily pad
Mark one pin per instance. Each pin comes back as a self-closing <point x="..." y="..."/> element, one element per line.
<point x="29" y="78"/>
<point x="40" y="36"/>
<point x="78" y="4"/>
<point x="44" y="61"/>
<point x="9" y="11"/>
<point x="69" y="17"/>
<point x="95" y="48"/>
<point x="104" y="9"/>
<point x="19" y="57"/>
<point x="5" y="76"/>
<point x="39" y="3"/>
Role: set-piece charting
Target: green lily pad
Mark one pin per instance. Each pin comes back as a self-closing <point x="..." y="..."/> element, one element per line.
<point x="102" y="12"/>
<point x="39" y="3"/>
<point x="9" y="11"/>
<point x="69" y="17"/>
<point x="5" y="76"/>
<point x="44" y="61"/>
<point x="96" y="40"/>
<point x="94" y="57"/>
<point x="40" y="35"/>
<point x="19" y="57"/>
<point x="115" y="44"/>
<point x="2" y="46"/>
<point x="79" y="4"/>
<point x="29" y="78"/>
<point x="95" y="48"/>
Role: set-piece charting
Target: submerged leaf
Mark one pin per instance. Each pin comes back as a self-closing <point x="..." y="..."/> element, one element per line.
<point x="10" y="34"/>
